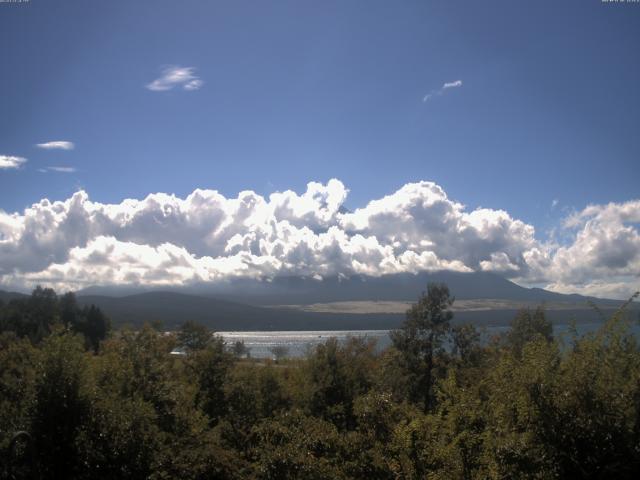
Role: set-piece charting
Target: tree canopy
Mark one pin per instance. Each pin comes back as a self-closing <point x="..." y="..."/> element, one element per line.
<point x="440" y="403"/>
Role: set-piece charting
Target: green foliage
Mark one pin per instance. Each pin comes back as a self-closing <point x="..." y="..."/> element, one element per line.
<point x="295" y="446"/>
<point x="194" y="336"/>
<point x="335" y="376"/>
<point x="89" y="321"/>
<point x="18" y="360"/>
<point x="465" y="344"/>
<point x="126" y="407"/>
<point x="121" y="438"/>
<point x="33" y="317"/>
<point x="94" y="325"/>
<point x="36" y="317"/>
<point x="420" y="339"/>
<point x="528" y="326"/>
<point x="60" y="405"/>
<point x="210" y="368"/>
<point x="239" y="349"/>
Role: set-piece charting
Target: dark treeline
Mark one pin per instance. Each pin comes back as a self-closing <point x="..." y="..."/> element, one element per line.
<point x="99" y="404"/>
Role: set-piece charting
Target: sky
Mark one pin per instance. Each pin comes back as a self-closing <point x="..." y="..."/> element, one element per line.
<point x="498" y="136"/>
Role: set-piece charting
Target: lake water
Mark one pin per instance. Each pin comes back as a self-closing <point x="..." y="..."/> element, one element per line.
<point x="298" y="343"/>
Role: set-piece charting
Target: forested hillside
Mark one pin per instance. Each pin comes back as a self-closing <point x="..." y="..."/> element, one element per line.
<point x="96" y="403"/>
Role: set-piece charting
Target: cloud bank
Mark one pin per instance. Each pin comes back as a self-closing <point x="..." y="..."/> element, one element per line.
<point x="175" y="76"/>
<point x="164" y="240"/>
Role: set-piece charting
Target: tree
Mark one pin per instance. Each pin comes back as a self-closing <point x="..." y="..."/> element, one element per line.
<point x="210" y="368"/>
<point x="296" y="446"/>
<point x="194" y="336"/>
<point x="94" y="325"/>
<point x="43" y="306"/>
<point x="33" y="317"/>
<point x="36" y="316"/>
<point x="240" y="349"/>
<point x="69" y="310"/>
<point x="89" y="321"/>
<point x="279" y="352"/>
<point x="335" y="376"/>
<point x="465" y="344"/>
<point x="18" y="360"/>
<point x="60" y="405"/>
<point x="527" y="326"/>
<point x="420" y="338"/>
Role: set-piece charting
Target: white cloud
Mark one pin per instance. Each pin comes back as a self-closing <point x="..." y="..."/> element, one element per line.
<point x="446" y="86"/>
<point x="604" y="289"/>
<point x="193" y="84"/>
<point x="9" y="161"/>
<point x="206" y="237"/>
<point x="57" y="145"/>
<point x="499" y="262"/>
<point x="62" y="169"/>
<point x="175" y="76"/>
<point x="457" y="83"/>
<point x="605" y="249"/>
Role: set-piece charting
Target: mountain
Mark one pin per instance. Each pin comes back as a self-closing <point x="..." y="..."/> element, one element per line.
<point x="6" y="297"/>
<point x="397" y="287"/>
<point x="172" y="309"/>
<point x="291" y="303"/>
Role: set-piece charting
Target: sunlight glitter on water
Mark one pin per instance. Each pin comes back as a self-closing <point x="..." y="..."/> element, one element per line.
<point x="299" y="343"/>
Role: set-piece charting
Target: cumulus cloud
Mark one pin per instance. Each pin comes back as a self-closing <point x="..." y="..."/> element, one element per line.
<point x="56" y="145"/>
<point x="174" y="76"/>
<point x="9" y="161"/>
<point x="446" y="86"/>
<point x="207" y="237"/>
<point x="606" y="249"/>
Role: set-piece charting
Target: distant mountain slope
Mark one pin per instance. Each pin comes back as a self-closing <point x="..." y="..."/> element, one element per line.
<point x="172" y="309"/>
<point x="247" y="304"/>
<point x="8" y="296"/>
<point x="242" y="304"/>
<point x="398" y="287"/>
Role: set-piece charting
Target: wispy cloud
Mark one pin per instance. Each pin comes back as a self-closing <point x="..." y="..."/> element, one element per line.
<point x="9" y="161"/>
<point x="57" y="145"/>
<point x="446" y="86"/>
<point x="457" y="83"/>
<point x="175" y="76"/>
<point x="58" y="169"/>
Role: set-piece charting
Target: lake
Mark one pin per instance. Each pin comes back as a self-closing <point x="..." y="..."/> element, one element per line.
<point x="298" y="343"/>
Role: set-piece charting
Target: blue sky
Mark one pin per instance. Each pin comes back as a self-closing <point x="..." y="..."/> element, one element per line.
<point x="299" y="91"/>
<point x="546" y="108"/>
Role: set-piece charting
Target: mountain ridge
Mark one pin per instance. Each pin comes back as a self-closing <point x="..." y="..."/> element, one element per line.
<point x="254" y="305"/>
<point x="395" y="287"/>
